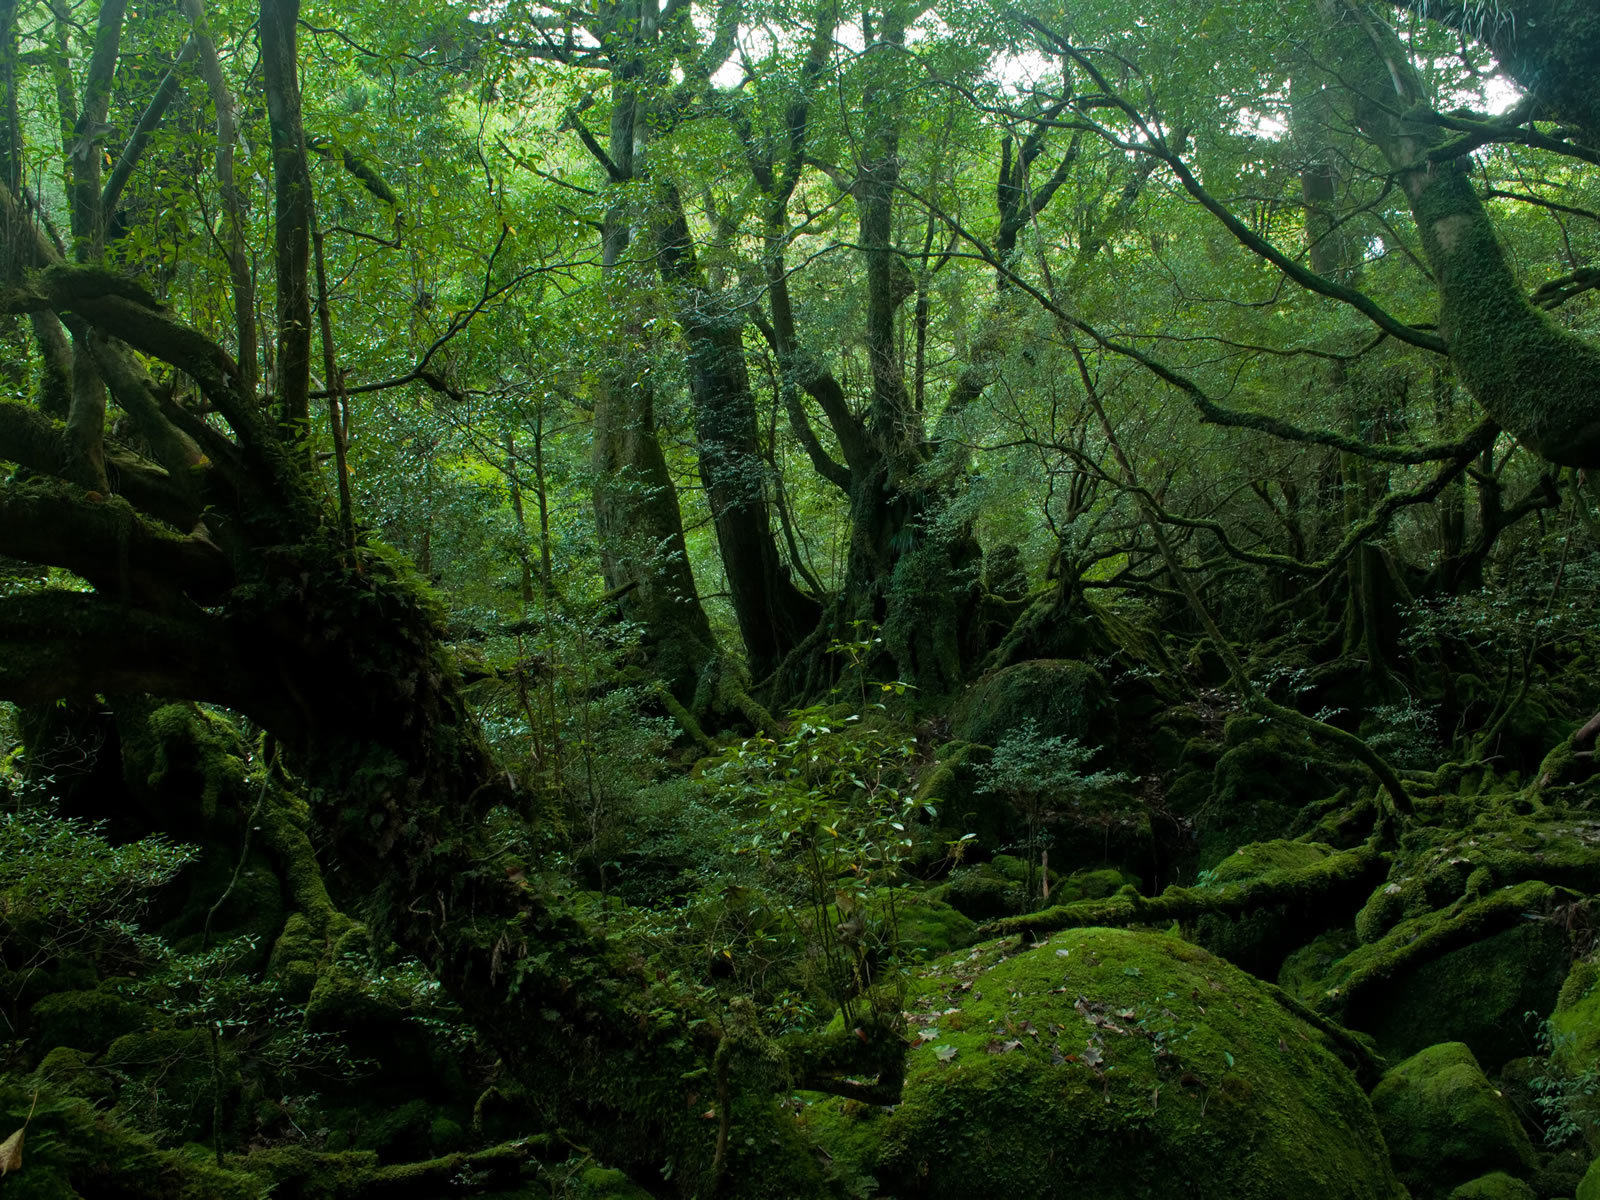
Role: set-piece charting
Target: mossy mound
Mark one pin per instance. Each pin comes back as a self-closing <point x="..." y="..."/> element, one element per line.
<point x="1304" y="970"/>
<point x="1062" y="697"/>
<point x="1110" y="1063"/>
<point x="1589" y="1189"/>
<point x="950" y="785"/>
<point x="1468" y="973"/>
<point x="980" y="893"/>
<point x="1260" y="787"/>
<point x="87" y="1020"/>
<point x="72" y="1150"/>
<point x="1260" y="940"/>
<point x="929" y="927"/>
<point x="1575" y="1024"/>
<point x="608" y="1183"/>
<point x="1445" y="1124"/>
<point x="1495" y="1186"/>
<point x="1575" y="1047"/>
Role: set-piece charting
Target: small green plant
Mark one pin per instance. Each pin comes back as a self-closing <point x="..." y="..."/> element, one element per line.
<point x="1046" y="780"/>
<point x="827" y="808"/>
<point x="1570" y="1102"/>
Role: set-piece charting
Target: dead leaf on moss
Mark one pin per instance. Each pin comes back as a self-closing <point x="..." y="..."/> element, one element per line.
<point x="11" y="1152"/>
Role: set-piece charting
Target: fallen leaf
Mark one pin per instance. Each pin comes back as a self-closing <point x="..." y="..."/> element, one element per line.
<point x="11" y="1152"/>
<point x="11" y="1148"/>
<point x="944" y="1053"/>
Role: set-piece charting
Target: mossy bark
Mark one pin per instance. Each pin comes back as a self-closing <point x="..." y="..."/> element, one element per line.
<point x="1534" y="378"/>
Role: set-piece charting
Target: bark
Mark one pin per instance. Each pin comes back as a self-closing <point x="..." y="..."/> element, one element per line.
<point x="644" y="557"/>
<point x="1534" y="378"/>
<point x="292" y="199"/>
<point x="774" y="616"/>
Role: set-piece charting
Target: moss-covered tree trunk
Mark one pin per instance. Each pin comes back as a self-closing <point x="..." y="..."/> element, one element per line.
<point x="1534" y="378"/>
<point x="642" y="550"/>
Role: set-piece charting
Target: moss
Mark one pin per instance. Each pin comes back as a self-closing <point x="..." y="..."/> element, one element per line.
<point x="1467" y="973"/>
<point x="74" y="1150"/>
<point x="1063" y="697"/>
<point x="1260" y="939"/>
<point x="1303" y="971"/>
<point x="169" y="1078"/>
<point x="70" y="1071"/>
<point x="1109" y="1063"/>
<point x="980" y="893"/>
<point x="1445" y="1124"/>
<point x="1091" y="885"/>
<point x="87" y="1020"/>
<point x="608" y="1183"/>
<point x="930" y="927"/>
<point x="1589" y="1189"/>
<point x="1495" y="1186"/>
<point x="1575" y="1023"/>
<point x="950" y="784"/>
<point x="1561" y="1173"/>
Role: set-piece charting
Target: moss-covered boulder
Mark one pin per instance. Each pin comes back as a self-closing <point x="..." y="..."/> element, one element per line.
<point x="1062" y="697"/>
<point x="1109" y="1063"/>
<point x="608" y="1183"/>
<point x="87" y="1020"/>
<point x="1575" y="1047"/>
<point x="1494" y="1186"/>
<point x="980" y="892"/>
<point x="930" y="927"/>
<point x="1469" y="973"/>
<point x="1261" y="939"/>
<point x="1445" y="1124"/>
<point x="1589" y="1189"/>
<point x="1575" y="1023"/>
<point x="1261" y="786"/>
<point x="1304" y="970"/>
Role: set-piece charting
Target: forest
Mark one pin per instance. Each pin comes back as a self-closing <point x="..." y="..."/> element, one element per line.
<point x="770" y="600"/>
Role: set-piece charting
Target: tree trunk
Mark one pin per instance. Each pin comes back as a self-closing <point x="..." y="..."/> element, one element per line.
<point x="1535" y="379"/>
<point x="774" y="616"/>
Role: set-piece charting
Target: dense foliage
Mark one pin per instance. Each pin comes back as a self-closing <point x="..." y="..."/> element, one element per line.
<point x="762" y="600"/>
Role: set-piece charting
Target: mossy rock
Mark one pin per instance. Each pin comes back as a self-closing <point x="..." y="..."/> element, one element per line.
<point x="300" y="1173"/>
<point x="1561" y="1174"/>
<point x="180" y="1059"/>
<point x="1495" y="1186"/>
<point x="608" y="1183"/>
<point x="1469" y="973"/>
<point x="1575" y="1023"/>
<point x="71" y="1072"/>
<point x="1575" y="1046"/>
<point x="1304" y="970"/>
<point x="980" y="893"/>
<point x="950" y="785"/>
<point x="1480" y="994"/>
<point x="929" y="927"/>
<point x="1445" y="1124"/>
<point x="1091" y="885"/>
<point x="1261" y="785"/>
<point x="1110" y="1063"/>
<point x="1260" y="940"/>
<point x="88" y="1020"/>
<point x="1589" y="1189"/>
<point x="1062" y="697"/>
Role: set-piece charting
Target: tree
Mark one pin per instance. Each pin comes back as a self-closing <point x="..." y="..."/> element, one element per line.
<point x="267" y="606"/>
